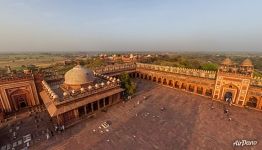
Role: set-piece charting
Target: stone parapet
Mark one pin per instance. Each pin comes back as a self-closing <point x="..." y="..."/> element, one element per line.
<point x="178" y="70"/>
<point x="9" y="79"/>
<point x="256" y="81"/>
<point x="115" y="68"/>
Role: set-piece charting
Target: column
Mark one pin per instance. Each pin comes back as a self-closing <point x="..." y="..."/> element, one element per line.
<point x="179" y="85"/>
<point x="76" y="113"/>
<point x="187" y="86"/>
<point x="204" y="91"/>
<point x="111" y="99"/>
<point x="195" y="89"/>
<point x="92" y="107"/>
<point x="58" y="120"/>
<point x="98" y="105"/>
<point x="85" y="109"/>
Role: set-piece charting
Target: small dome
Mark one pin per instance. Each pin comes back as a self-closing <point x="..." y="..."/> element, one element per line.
<point x="78" y="76"/>
<point x="227" y="61"/>
<point x="247" y="62"/>
<point x="65" y="94"/>
<point x="82" y="89"/>
<point x="55" y="96"/>
<point x="96" y="85"/>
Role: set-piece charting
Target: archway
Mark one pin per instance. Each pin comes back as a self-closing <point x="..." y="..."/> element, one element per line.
<point x="154" y="79"/>
<point x="170" y="83"/>
<point x="200" y="90"/>
<point x="208" y="92"/>
<point x="159" y="80"/>
<point x="146" y="76"/>
<point x="19" y="99"/>
<point x="183" y="86"/>
<point x="137" y="75"/>
<point x="252" y="102"/>
<point x="141" y="76"/>
<point x="191" y="88"/>
<point x="228" y="97"/>
<point x="164" y="82"/>
<point x="150" y="78"/>
<point x="229" y="93"/>
<point x="176" y="84"/>
<point x="23" y="104"/>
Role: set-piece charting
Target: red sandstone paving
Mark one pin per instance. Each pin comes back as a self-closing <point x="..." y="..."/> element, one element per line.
<point x="187" y="123"/>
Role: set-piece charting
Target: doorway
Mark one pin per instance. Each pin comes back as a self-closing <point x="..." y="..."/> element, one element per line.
<point x="228" y="97"/>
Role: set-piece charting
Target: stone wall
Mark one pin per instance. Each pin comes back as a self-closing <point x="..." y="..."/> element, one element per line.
<point x="177" y="70"/>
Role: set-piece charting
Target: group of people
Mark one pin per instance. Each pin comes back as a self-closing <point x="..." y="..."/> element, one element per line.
<point x="229" y="100"/>
<point x="59" y="128"/>
<point x="226" y="110"/>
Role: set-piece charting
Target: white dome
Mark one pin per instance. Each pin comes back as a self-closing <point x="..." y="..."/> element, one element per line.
<point x="96" y="85"/>
<point x="82" y="89"/>
<point x="55" y="96"/>
<point x="65" y="94"/>
<point x="78" y="76"/>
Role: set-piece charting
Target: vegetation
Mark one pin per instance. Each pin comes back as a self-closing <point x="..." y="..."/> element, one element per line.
<point x="193" y="60"/>
<point x="205" y="61"/>
<point x="93" y="63"/>
<point x="184" y="61"/>
<point x="127" y="84"/>
<point x="209" y="66"/>
<point x="257" y="74"/>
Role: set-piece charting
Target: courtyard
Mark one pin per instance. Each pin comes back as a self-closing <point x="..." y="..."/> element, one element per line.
<point x="159" y="117"/>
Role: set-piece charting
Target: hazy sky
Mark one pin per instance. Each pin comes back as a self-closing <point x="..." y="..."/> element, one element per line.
<point x="58" y="25"/>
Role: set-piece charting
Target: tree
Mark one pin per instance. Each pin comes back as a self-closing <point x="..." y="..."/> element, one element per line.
<point x="209" y="66"/>
<point x="127" y="84"/>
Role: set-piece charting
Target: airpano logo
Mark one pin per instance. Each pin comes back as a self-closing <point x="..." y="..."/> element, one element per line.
<point x="242" y="143"/>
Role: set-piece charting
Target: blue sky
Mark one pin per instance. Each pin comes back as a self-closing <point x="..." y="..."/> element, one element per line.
<point x="79" y="25"/>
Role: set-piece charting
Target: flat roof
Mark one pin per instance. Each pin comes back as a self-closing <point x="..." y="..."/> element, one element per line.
<point x="55" y="110"/>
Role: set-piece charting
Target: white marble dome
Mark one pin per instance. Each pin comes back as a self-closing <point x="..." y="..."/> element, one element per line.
<point x="78" y="76"/>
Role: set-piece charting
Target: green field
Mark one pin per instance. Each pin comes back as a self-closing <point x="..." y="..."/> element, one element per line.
<point x="40" y="60"/>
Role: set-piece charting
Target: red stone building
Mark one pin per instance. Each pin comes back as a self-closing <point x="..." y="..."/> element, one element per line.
<point x="17" y="93"/>
<point x="232" y="82"/>
<point x="81" y="94"/>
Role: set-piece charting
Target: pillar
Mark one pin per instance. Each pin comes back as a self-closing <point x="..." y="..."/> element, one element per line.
<point x="187" y="86"/>
<point x="195" y="89"/>
<point x="92" y="107"/>
<point x="76" y="113"/>
<point x="179" y="85"/>
<point x="59" y="120"/>
<point x="85" y="109"/>
<point x="98" y="105"/>
<point x="204" y="91"/>
<point x="110" y="100"/>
